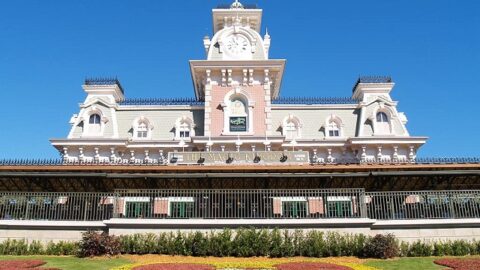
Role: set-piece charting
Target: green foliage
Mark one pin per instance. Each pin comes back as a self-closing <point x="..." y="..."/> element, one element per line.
<point x="97" y="244"/>
<point x="14" y="247"/>
<point x="220" y="244"/>
<point x="244" y="242"/>
<point x="420" y="249"/>
<point x="61" y="248"/>
<point x="381" y="246"/>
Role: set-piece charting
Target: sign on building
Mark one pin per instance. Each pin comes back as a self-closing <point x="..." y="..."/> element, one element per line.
<point x="260" y="157"/>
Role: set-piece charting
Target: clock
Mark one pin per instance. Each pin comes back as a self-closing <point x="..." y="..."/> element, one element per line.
<point x="237" y="45"/>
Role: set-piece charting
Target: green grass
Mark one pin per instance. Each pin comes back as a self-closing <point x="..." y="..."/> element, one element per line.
<point x="73" y="263"/>
<point x="406" y="263"/>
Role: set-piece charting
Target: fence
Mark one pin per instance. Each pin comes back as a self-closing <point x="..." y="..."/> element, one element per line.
<point x="423" y="204"/>
<point x="240" y="204"/>
<point x="56" y="206"/>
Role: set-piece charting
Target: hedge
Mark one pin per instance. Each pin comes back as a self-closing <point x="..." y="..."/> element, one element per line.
<point x="244" y="242"/>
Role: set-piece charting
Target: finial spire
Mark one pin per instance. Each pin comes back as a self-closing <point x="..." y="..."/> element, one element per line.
<point x="236" y="5"/>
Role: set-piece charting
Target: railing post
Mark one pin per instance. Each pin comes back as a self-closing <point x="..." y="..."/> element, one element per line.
<point x="363" y="204"/>
<point x="26" y="208"/>
<point x="452" y="208"/>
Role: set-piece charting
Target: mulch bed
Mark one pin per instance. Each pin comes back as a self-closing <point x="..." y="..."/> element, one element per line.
<point x="174" y="266"/>
<point x="23" y="264"/>
<point x="459" y="264"/>
<point x="310" y="266"/>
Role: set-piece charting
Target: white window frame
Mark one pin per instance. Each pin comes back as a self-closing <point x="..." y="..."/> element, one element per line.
<point x="230" y="98"/>
<point x="184" y="124"/>
<point x="287" y="130"/>
<point x="144" y="123"/>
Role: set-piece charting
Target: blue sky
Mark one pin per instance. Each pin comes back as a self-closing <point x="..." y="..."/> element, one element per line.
<point x="431" y="48"/>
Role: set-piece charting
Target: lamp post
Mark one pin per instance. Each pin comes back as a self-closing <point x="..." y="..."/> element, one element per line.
<point x="182" y="144"/>
<point x="209" y="144"/>
<point x="238" y="143"/>
<point x="293" y="143"/>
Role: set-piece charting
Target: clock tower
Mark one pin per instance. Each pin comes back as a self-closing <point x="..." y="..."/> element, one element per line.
<point x="237" y="81"/>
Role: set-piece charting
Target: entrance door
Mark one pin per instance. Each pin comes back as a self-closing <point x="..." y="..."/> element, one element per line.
<point x="339" y="209"/>
<point x="137" y="209"/>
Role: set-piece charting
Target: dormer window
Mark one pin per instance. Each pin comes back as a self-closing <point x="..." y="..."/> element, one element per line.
<point x="94" y="119"/>
<point x="382" y="125"/>
<point x="142" y="128"/>
<point x="94" y="124"/>
<point x="184" y="128"/>
<point x="184" y="131"/>
<point x="291" y="128"/>
<point x="333" y="127"/>
<point x="333" y="130"/>
<point x="382" y="117"/>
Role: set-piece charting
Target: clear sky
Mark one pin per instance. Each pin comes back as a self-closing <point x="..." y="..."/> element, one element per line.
<point x="431" y="48"/>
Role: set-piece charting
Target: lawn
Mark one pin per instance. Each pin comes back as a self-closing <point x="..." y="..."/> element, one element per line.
<point x="406" y="263"/>
<point x="73" y="263"/>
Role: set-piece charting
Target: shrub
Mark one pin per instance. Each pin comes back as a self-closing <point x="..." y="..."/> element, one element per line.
<point x="275" y="243"/>
<point x="381" y="246"/>
<point x="97" y="244"/>
<point x="288" y="246"/>
<point x="220" y="244"/>
<point x="420" y="249"/>
<point x="198" y="244"/>
<point x="36" y="248"/>
<point x="14" y="247"/>
<point x="462" y="248"/>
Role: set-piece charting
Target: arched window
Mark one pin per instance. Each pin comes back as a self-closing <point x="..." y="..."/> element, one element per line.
<point x="238" y="121"/>
<point x="382" y="125"/>
<point x="382" y="117"/>
<point x="237" y="112"/>
<point x="94" y="119"/>
<point x="291" y="128"/>
<point x="94" y="124"/>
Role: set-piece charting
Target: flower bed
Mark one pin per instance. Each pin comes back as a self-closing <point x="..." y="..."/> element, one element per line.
<point x="311" y="266"/>
<point x="459" y="264"/>
<point x="175" y="266"/>
<point x="231" y="263"/>
<point x="20" y="264"/>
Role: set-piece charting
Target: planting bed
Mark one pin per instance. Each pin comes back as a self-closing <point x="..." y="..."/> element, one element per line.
<point x="310" y="266"/>
<point x="23" y="264"/>
<point x="459" y="264"/>
<point x="175" y="266"/>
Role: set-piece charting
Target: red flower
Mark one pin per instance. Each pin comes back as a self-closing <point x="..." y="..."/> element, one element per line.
<point x="459" y="264"/>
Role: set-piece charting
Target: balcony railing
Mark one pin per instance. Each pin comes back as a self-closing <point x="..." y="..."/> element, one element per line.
<point x="56" y="206"/>
<point x="235" y="204"/>
<point x="240" y="204"/>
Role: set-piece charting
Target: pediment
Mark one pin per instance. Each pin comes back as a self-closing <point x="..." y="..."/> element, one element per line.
<point x="382" y="100"/>
<point x="97" y="101"/>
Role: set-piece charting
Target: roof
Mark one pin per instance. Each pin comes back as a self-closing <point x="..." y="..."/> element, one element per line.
<point x="104" y="81"/>
<point x="372" y="79"/>
<point x="162" y="101"/>
<point x="314" y="100"/>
